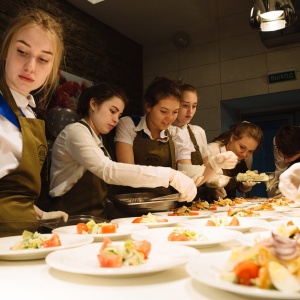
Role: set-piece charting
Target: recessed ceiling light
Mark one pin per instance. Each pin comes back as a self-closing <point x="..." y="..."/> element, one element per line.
<point x="95" y="1"/>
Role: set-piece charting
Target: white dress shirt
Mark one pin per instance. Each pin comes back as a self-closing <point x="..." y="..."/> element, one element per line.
<point x="76" y="150"/>
<point x="200" y="137"/>
<point x="126" y="133"/>
<point x="11" y="137"/>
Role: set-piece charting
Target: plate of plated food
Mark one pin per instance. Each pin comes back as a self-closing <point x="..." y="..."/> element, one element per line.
<point x="184" y="212"/>
<point x="127" y="259"/>
<point x="150" y="220"/>
<point x="216" y="270"/>
<point x="34" y="245"/>
<point x="197" y="237"/>
<point x="101" y="230"/>
<point x="225" y="222"/>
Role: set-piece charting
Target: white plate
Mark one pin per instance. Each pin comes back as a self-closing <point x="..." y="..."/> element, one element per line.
<point x="294" y="213"/>
<point x="200" y="214"/>
<point x="171" y="222"/>
<point x="212" y="236"/>
<point x="251" y="238"/>
<point x="207" y="268"/>
<point x="122" y="232"/>
<point x="282" y="208"/>
<point x="67" y="241"/>
<point x="84" y="260"/>
<point x="244" y="226"/>
<point x="264" y="215"/>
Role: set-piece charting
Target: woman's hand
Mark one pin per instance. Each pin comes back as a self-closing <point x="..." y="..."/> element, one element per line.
<point x="42" y="215"/>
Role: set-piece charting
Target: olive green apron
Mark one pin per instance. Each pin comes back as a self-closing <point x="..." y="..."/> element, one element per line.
<point x="86" y="197"/>
<point x="20" y="188"/>
<point x="196" y="156"/>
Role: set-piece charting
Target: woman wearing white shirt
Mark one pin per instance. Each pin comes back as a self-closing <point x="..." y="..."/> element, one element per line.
<point x="200" y="153"/>
<point x="81" y="168"/>
<point x="243" y="138"/>
<point x="31" y="52"/>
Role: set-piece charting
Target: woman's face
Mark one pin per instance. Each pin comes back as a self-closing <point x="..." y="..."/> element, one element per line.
<point x="29" y="60"/>
<point x="105" y="116"/>
<point x="187" y="108"/>
<point x="163" y="114"/>
<point x="243" y="147"/>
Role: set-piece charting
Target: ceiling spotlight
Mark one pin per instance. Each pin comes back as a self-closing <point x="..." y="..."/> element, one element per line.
<point x="95" y="1"/>
<point x="271" y="15"/>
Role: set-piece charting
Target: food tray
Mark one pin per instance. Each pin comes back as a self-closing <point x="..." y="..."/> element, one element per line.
<point x="142" y="203"/>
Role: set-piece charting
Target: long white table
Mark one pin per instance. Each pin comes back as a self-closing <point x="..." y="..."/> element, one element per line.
<point x="35" y="280"/>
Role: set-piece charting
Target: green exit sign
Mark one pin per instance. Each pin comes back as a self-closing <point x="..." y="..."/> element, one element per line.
<point x="282" y="76"/>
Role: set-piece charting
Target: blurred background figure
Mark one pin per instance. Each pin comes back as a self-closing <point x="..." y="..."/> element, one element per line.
<point x="286" y="148"/>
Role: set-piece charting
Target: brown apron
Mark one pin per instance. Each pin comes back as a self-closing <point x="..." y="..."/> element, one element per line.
<point x="86" y="197"/>
<point x="20" y="188"/>
<point x="155" y="153"/>
<point x="196" y="156"/>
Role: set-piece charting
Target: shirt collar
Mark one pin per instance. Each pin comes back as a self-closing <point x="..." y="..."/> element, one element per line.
<point x="143" y="126"/>
<point x="23" y="101"/>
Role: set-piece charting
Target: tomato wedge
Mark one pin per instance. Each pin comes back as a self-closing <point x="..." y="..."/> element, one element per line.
<point x="143" y="247"/>
<point x="54" y="241"/>
<point x="175" y="236"/>
<point x="137" y="220"/>
<point x="109" y="228"/>
<point x="108" y="260"/>
<point x="81" y="227"/>
<point x="245" y="271"/>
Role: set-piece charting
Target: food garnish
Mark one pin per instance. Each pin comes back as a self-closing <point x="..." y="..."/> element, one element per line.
<point x="131" y="253"/>
<point x="36" y="240"/>
<point x="185" y="234"/>
<point x="149" y="218"/>
<point x="92" y="227"/>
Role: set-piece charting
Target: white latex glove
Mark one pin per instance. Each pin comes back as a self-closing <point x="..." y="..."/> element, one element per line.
<point x="185" y="186"/>
<point x="197" y="180"/>
<point x="224" y="160"/>
<point x="54" y="215"/>
<point x="289" y="182"/>
<point x="219" y="193"/>
<point x="249" y="184"/>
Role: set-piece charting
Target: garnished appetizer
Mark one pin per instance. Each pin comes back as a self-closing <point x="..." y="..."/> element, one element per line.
<point x="149" y="218"/>
<point x="92" y="227"/>
<point x="185" y="234"/>
<point x="35" y="240"/>
<point x="222" y="221"/>
<point x="131" y="253"/>
<point x="273" y="263"/>
<point x="183" y="211"/>
<point x="242" y="212"/>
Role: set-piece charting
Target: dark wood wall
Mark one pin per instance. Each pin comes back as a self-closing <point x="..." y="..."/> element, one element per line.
<point x="94" y="51"/>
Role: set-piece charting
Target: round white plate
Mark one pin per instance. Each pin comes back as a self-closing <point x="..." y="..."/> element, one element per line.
<point x="263" y="215"/>
<point x="244" y="226"/>
<point x="171" y="221"/>
<point x="200" y="214"/>
<point x="122" y="232"/>
<point x="210" y="236"/>
<point x="207" y="268"/>
<point x="251" y="238"/>
<point x="294" y="213"/>
<point x="282" y="208"/>
<point x="84" y="260"/>
<point x="67" y="241"/>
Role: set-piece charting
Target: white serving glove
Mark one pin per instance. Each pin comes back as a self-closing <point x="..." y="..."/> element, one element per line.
<point x="289" y="182"/>
<point x="224" y="160"/>
<point x="54" y="215"/>
<point x="185" y="186"/>
<point x="219" y="193"/>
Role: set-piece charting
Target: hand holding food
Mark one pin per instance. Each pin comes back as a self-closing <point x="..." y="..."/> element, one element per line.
<point x="220" y="193"/>
<point x="224" y="160"/>
<point x="185" y="186"/>
<point x="289" y="182"/>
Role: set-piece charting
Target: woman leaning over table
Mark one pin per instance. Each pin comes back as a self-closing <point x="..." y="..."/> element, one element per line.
<point x="152" y="139"/>
<point x="31" y="52"/>
<point x="200" y="153"/>
<point x="243" y="138"/>
<point x="81" y="167"/>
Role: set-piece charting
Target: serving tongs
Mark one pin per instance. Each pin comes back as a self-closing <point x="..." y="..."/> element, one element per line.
<point x="170" y="197"/>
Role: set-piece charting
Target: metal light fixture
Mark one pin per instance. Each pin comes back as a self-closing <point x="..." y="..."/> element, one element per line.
<point x="271" y="15"/>
<point x="95" y="1"/>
